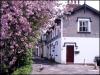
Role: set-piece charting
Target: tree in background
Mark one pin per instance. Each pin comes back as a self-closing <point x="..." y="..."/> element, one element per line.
<point x="18" y="24"/>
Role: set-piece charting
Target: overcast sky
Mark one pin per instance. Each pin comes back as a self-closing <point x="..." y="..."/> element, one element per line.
<point x="92" y="3"/>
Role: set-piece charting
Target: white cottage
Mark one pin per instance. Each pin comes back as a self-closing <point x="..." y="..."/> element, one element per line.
<point x="75" y="36"/>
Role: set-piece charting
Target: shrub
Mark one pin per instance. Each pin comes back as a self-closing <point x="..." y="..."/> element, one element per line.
<point x="25" y="63"/>
<point x="23" y="70"/>
<point x="27" y="58"/>
<point x="19" y="21"/>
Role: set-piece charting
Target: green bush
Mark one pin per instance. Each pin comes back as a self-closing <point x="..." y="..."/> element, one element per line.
<point x="26" y="64"/>
<point x="27" y="58"/>
<point x="23" y="70"/>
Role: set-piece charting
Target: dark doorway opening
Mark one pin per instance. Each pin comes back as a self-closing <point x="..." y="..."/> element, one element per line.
<point x="70" y="54"/>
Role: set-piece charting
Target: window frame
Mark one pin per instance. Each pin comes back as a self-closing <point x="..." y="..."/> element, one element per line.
<point x="83" y="20"/>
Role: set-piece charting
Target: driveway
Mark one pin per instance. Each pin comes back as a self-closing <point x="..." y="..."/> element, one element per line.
<point x="42" y="66"/>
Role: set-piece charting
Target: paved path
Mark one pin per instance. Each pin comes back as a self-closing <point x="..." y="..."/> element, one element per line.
<point x="54" y="68"/>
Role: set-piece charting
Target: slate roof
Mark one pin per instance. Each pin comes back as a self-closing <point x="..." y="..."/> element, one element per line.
<point x="74" y="8"/>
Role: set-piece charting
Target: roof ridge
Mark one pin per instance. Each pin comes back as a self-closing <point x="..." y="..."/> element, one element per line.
<point x="74" y="7"/>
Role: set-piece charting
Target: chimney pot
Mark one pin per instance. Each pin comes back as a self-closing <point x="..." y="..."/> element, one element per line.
<point x="73" y="2"/>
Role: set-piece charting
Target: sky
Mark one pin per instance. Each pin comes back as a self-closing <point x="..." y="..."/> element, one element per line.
<point x="92" y="3"/>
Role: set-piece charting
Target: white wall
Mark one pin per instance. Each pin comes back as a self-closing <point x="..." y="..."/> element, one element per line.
<point x="44" y="51"/>
<point x="57" y="50"/>
<point x="88" y="47"/>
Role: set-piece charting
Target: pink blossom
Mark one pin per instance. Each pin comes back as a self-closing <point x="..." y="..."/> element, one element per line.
<point x="30" y="45"/>
<point x="22" y="39"/>
<point x="12" y="47"/>
<point x="16" y="45"/>
<point x="17" y="25"/>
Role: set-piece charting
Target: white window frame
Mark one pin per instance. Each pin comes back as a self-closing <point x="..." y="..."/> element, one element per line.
<point x="89" y="25"/>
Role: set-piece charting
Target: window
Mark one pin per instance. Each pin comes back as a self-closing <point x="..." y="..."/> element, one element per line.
<point x="52" y="33"/>
<point x="52" y="45"/>
<point x="55" y="31"/>
<point x="58" y="21"/>
<point x="56" y="43"/>
<point x="84" y="25"/>
<point x="58" y="30"/>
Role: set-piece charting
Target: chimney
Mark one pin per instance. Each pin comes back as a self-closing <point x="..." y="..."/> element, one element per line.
<point x="68" y="1"/>
<point x="78" y="2"/>
<point x="73" y="2"/>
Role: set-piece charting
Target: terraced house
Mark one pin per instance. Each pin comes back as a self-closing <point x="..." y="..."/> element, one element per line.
<point x="74" y="38"/>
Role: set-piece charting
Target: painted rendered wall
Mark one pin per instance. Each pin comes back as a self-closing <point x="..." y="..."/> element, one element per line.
<point x="44" y="51"/>
<point x="88" y="47"/>
<point x="48" y="50"/>
<point x="57" y="50"/>
<point x="39" y="51"/>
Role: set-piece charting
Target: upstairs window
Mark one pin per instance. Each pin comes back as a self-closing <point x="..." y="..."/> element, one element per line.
<point x="84" y="25"/>
<point x="58" y="21"/>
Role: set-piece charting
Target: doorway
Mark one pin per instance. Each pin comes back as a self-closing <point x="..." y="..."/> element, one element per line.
<point x="70" y="54"/>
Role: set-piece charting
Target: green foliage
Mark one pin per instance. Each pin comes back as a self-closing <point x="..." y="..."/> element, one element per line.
<point x="23" y="70"/>
<point x="5" y="67"/>
<point x="26" y="65"/>
<point x="27" y="58"/>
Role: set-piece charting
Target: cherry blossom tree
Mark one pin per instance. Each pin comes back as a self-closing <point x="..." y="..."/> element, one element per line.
<point x="19" y="20"/>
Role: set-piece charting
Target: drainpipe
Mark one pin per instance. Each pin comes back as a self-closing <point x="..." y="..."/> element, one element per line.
<point x="68" y="1"/>
<point x="78" y="2"/>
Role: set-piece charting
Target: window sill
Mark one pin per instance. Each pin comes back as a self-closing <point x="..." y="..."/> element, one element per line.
<point x="83" y="32"/>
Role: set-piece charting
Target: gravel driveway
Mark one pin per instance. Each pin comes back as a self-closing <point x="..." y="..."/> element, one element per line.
<point x="48" y="67"/>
